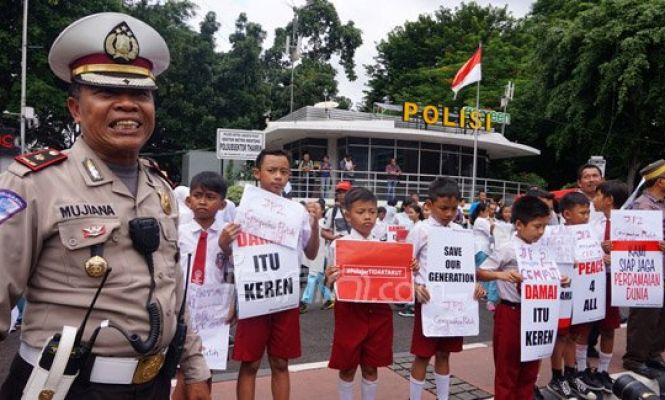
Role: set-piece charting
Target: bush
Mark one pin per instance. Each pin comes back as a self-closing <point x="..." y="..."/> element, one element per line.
<point x="235" y="193"/>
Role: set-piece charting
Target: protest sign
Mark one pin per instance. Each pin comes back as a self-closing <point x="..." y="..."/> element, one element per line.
<point x="561" y="244"/>
<point x="209" y="307"/>
<point x="589" y="280"/>
<point x="374" y="272"/>
<point x="396" y="233"/>
<point x="271" y="217"/>
<point x="267" y="276"/>
<point x="637" y="262"/>
<point x="539" y="301"/>
<point x="451" y="281"/>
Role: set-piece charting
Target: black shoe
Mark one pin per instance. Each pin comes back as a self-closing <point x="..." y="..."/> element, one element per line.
<point x="328" y="305"/>
<point x="580" y="388"/>
<point x="642" y="369"/>
<point x="656" y="363"/>
<point x="589" y="378"/>
<point x="605" y="380"/>
<point x="303" y="308"/>
<point x="561" y="389"/>
<point x="592" y="352"/>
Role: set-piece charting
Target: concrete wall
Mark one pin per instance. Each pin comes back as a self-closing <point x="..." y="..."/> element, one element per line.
<point x="196" y="161"/>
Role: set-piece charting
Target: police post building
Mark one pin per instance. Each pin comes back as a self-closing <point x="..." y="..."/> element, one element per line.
<point x="427" y="141"/>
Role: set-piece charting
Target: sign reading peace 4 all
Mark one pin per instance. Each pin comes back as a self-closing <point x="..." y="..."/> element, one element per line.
<point x="637" y="262"/>
<point x="451" y="280"/>
<point x="589" y="279"/>
<point x="540" y="301"/>
<point x="267" y="276"/>
<point x="374" y="272"/>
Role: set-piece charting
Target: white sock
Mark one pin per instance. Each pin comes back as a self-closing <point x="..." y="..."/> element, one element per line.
<point x="415" y="389"/>
<point x="580" y="356"/>
<point x="442" y="386"/>
<point x="368" y="390"/>
<point x="604" y="361"/>
<point x="345" y="390"/>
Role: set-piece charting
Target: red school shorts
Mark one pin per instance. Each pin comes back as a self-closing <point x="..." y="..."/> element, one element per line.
<point x="363" y="335"/>
<point x="612" y="318"/>
<point x="279" y="332"/>
<point x="423" y="346"/>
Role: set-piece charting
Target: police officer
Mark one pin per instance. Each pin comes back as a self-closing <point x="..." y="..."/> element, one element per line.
<point x="66" y="219"/>
<point x="645" y="339"/>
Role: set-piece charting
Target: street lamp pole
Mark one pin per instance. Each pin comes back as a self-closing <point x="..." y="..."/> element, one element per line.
<point x="24" y="69"/>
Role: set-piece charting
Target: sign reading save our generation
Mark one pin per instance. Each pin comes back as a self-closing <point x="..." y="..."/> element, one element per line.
<point x="637" y="262"/>
<point x="374" y="272"/>
<point x="539" y="301"/>
<point x="267" y="276"/>
<point x="451" y="280"/>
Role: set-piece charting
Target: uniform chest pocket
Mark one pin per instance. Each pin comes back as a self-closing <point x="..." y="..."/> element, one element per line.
<point x="90" y="246"/>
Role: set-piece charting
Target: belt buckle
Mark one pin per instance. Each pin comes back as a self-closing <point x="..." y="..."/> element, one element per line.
<point x="148" y="368"/>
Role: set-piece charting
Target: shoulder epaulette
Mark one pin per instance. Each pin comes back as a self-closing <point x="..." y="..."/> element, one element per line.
<point x="154" y="167"/>
<point x="41" y="159"/>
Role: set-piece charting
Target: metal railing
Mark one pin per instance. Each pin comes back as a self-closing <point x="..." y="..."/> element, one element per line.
<point x="311" y="185"/>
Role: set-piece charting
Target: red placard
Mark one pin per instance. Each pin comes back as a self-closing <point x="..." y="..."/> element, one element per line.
<point x="374" y="272"/>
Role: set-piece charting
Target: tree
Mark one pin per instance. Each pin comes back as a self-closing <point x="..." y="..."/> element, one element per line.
<point x="600" y="65"/>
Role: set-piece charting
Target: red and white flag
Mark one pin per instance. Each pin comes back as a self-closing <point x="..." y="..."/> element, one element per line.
<point x="469" y="73"/>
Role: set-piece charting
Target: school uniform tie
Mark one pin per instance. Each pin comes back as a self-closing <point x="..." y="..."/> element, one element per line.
<point x="606" y="236"/>
<point x="198" y="269"/>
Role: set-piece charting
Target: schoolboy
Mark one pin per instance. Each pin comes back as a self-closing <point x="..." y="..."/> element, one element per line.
<point x="574" y="208"/>
<point x="609" y="195"/>
<point x="199" y="237"/>
<point x="278" y="332"/>
<point x="363" y="331"/>
<point x="442" y="201"/>
<point x="513" y="379"/>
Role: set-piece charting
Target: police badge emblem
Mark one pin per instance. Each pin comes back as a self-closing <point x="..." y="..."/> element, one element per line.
<point x="96" y="267"/>
<point x="121" y="44"/>
<point x="165" y="201"/>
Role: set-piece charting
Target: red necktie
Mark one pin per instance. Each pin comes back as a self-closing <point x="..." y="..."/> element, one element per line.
<point x="607" y="230"/>
<point x="198" y="270"/>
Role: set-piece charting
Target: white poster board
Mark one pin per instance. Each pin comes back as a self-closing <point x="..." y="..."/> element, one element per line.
<point x="266" y="215"/>
<point x="539" y="301"/>
<point x="209" y="307"/>
<point x="235" y="144"/>
<point x="590" y="279"/>
<point x="267" y="276"/>
<point x="637" y="262"/>
<point x="451" y="280"/>
<point x="561" y="244"/>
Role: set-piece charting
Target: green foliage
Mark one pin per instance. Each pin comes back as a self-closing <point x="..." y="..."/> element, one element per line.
<point x="235" y="193"/>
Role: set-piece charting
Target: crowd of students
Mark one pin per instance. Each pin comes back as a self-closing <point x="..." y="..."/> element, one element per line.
<point x="363" y="332"/>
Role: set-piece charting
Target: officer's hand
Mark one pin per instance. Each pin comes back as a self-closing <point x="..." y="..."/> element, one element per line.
<point x="229" y="234"/>
<point x="197" y="391"/>
<point x="422" y="295"/>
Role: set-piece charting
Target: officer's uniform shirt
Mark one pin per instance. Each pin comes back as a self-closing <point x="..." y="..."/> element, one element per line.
<point x="505" y="259"/>
<point x="68" y="208"/>
<point x="418" y="236"/>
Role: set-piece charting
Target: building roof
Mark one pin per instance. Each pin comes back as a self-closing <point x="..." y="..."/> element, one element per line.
<point x="311" y="122"/>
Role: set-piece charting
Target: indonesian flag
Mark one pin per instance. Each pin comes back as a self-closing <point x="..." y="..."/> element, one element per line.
<point x="469" y="73"/>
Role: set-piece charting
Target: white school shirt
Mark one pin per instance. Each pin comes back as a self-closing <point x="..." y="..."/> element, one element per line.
<point x="216" y="271"/>
<point x="482" y="235"/>
<point x="228" y="213"/>
<point x="418" y="237"/>
<point x="402" y="219"/>
<point x="505" y="259"/>
<point x="391" y="211"/>
<point x="316" y="265"/>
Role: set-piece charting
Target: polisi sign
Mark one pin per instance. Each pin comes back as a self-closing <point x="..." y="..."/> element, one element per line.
<point x="433" y="115"/>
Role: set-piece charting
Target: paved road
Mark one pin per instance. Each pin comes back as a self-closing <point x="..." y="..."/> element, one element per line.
<point x="316" y="334"/>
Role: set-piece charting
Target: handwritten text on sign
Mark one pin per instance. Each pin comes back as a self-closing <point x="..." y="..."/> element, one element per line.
<point x="589" y="279"/>
<point x="540" y="301"/>
<point x="269" y="216"/>
<point x="267" y="276"/>
<point x="561" y="243"/>
<point x="451" y="273"/>
<point x="209" y="306"/>
<point x="637" y="262"/>
<point x="375" y="272"/>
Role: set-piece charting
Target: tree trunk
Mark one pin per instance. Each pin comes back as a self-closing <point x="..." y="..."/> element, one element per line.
<point x="633" y="165"/>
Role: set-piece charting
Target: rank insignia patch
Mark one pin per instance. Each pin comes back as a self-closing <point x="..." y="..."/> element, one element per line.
<point x="41" y="159"/>
<point x="10" y="204"/>
<point x="93" y="231"/>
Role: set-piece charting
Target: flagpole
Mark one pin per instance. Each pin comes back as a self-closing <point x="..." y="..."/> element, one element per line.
<point x="475" y="140"/>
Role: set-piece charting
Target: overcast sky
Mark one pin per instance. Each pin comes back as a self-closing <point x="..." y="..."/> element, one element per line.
<point x="374" y="17"/>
